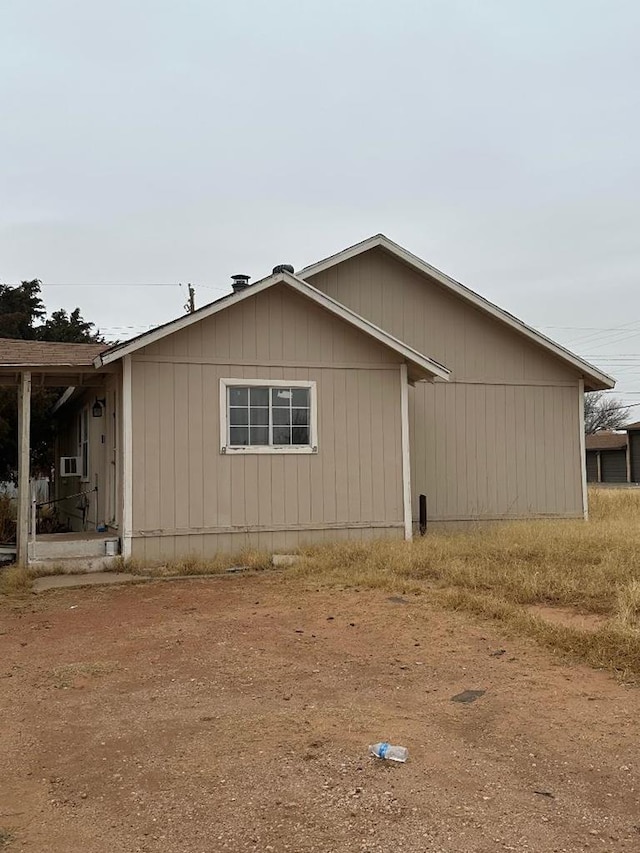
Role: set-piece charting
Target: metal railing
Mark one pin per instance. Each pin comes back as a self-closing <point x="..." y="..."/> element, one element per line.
<point x="37" y="505"/>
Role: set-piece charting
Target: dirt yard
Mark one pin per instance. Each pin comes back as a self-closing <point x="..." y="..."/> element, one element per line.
<point x="235" y="713"/>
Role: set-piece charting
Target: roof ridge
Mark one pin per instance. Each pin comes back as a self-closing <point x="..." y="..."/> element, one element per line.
<point x="602" y="380"/>
<point x="348" y="315"/>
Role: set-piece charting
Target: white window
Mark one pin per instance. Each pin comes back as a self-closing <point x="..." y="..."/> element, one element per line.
<point x="267" y="416"/>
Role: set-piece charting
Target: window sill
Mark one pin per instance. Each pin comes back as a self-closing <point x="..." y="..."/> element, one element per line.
<point x="270" y="450"/>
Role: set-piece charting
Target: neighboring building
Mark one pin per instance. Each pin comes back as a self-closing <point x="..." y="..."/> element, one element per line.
<point x="607" y="457"/>
<point x="321" y="406"/>
<point x="614" y="456"/>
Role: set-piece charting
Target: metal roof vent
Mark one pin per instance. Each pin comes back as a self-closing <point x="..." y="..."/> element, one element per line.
<point x="239" y="282"/>
<point x="283" y="268"/>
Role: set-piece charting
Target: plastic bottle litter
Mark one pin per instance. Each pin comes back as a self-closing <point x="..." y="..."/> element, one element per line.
<point x="389" y="752"/>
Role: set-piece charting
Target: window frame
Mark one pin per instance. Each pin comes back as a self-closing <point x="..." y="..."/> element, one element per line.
<point x="227" y="448"/>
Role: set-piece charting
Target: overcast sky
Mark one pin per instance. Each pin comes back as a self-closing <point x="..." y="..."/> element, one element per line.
<point x="157" y="142"/>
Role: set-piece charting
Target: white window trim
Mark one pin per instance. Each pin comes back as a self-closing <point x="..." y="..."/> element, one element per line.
<point x="312" y="447"/>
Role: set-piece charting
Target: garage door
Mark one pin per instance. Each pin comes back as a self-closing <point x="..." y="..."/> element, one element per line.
<point x="614" y="466"/>
<point x="634" y="449"/>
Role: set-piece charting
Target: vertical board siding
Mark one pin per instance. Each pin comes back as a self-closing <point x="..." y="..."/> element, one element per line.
<point x="515" y="457"/>
<point x="425" y="315"/>
<point x="153" y="548"/>
<point x="501" y="440"/>
<point x="354" y="478"/>
<point x="185" y="489"/>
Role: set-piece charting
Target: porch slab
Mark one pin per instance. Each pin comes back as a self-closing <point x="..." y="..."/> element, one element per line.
<point x="75" y="536"/>
<point x="65" y="546"/>
<point x="93" y="579"/>
<point x="75" y="565"/>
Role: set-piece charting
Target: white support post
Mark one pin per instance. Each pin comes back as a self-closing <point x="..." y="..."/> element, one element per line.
<point x="583" y="451"/>
<point x="24" y="491"/>
<point x="127" y="457"/>
<point x="406" y="452"/>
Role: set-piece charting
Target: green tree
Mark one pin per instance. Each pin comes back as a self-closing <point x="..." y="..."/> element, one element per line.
<point x="23" y="316"/>
<point x="20" y="309"/>
<point x="70" y="328"/>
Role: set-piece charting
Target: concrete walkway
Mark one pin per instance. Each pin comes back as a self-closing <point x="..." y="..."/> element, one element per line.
<point x="104" y="578"/>
<point x="89" y="579"/>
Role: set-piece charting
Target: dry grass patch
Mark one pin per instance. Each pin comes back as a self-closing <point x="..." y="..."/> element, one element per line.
<point x="611" y="646"/>
<point x="194" y="565"/>
<point x="16" y="580"/>
<point x="628" y="605"/>
<point x="498" y="571"/>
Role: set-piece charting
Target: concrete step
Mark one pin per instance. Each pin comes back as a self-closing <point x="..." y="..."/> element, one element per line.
<point x="75" y="565"/>
<point x="66" y="546"/>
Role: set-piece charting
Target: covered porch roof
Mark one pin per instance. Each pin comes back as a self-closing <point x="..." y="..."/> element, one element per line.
<point x="50" y="364"/>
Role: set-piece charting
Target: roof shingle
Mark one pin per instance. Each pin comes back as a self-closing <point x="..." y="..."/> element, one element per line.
<point x="17" y="353"/>
<point x="606" y="440"/>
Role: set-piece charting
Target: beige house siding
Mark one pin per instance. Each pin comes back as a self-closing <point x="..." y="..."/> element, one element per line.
<point x="501" y="439"/>
<point x="496" y="451"/>
<point x="190" y="498"/>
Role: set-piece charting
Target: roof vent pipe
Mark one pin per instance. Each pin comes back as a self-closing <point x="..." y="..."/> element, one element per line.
<point x="283" y="268"/>
<point x="239" y="282"/>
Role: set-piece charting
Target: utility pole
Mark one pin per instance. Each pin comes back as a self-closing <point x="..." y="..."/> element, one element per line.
<point x="190" y="304"/>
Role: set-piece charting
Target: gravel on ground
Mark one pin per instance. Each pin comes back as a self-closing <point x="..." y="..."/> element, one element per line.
<point x="235" y="714"/>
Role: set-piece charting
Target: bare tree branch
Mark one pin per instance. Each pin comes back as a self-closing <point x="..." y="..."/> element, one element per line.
<point x="603" y="412"/>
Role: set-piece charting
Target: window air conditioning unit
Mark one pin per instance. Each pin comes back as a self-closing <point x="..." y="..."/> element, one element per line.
<point x="70" y="466"/>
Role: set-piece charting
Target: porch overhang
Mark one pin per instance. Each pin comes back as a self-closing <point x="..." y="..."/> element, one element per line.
<point x="28" y="364"/>
<point x="58" y="376"/>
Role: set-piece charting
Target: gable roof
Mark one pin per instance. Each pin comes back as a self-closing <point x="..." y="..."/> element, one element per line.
<point x="595" y="380"/>
<point x="19" y="353"/>
<point x="421" y="366"/>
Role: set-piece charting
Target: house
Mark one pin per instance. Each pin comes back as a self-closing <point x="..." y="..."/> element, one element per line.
<point x="329" y="404"/>
<point x="614" y="456"/>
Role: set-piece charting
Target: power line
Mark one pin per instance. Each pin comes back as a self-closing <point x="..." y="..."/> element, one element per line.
<point x="119" y="284"/>
<point x="603" y="338"/>
<point x="102" y="284"/>
<point x="585" y="328"/>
